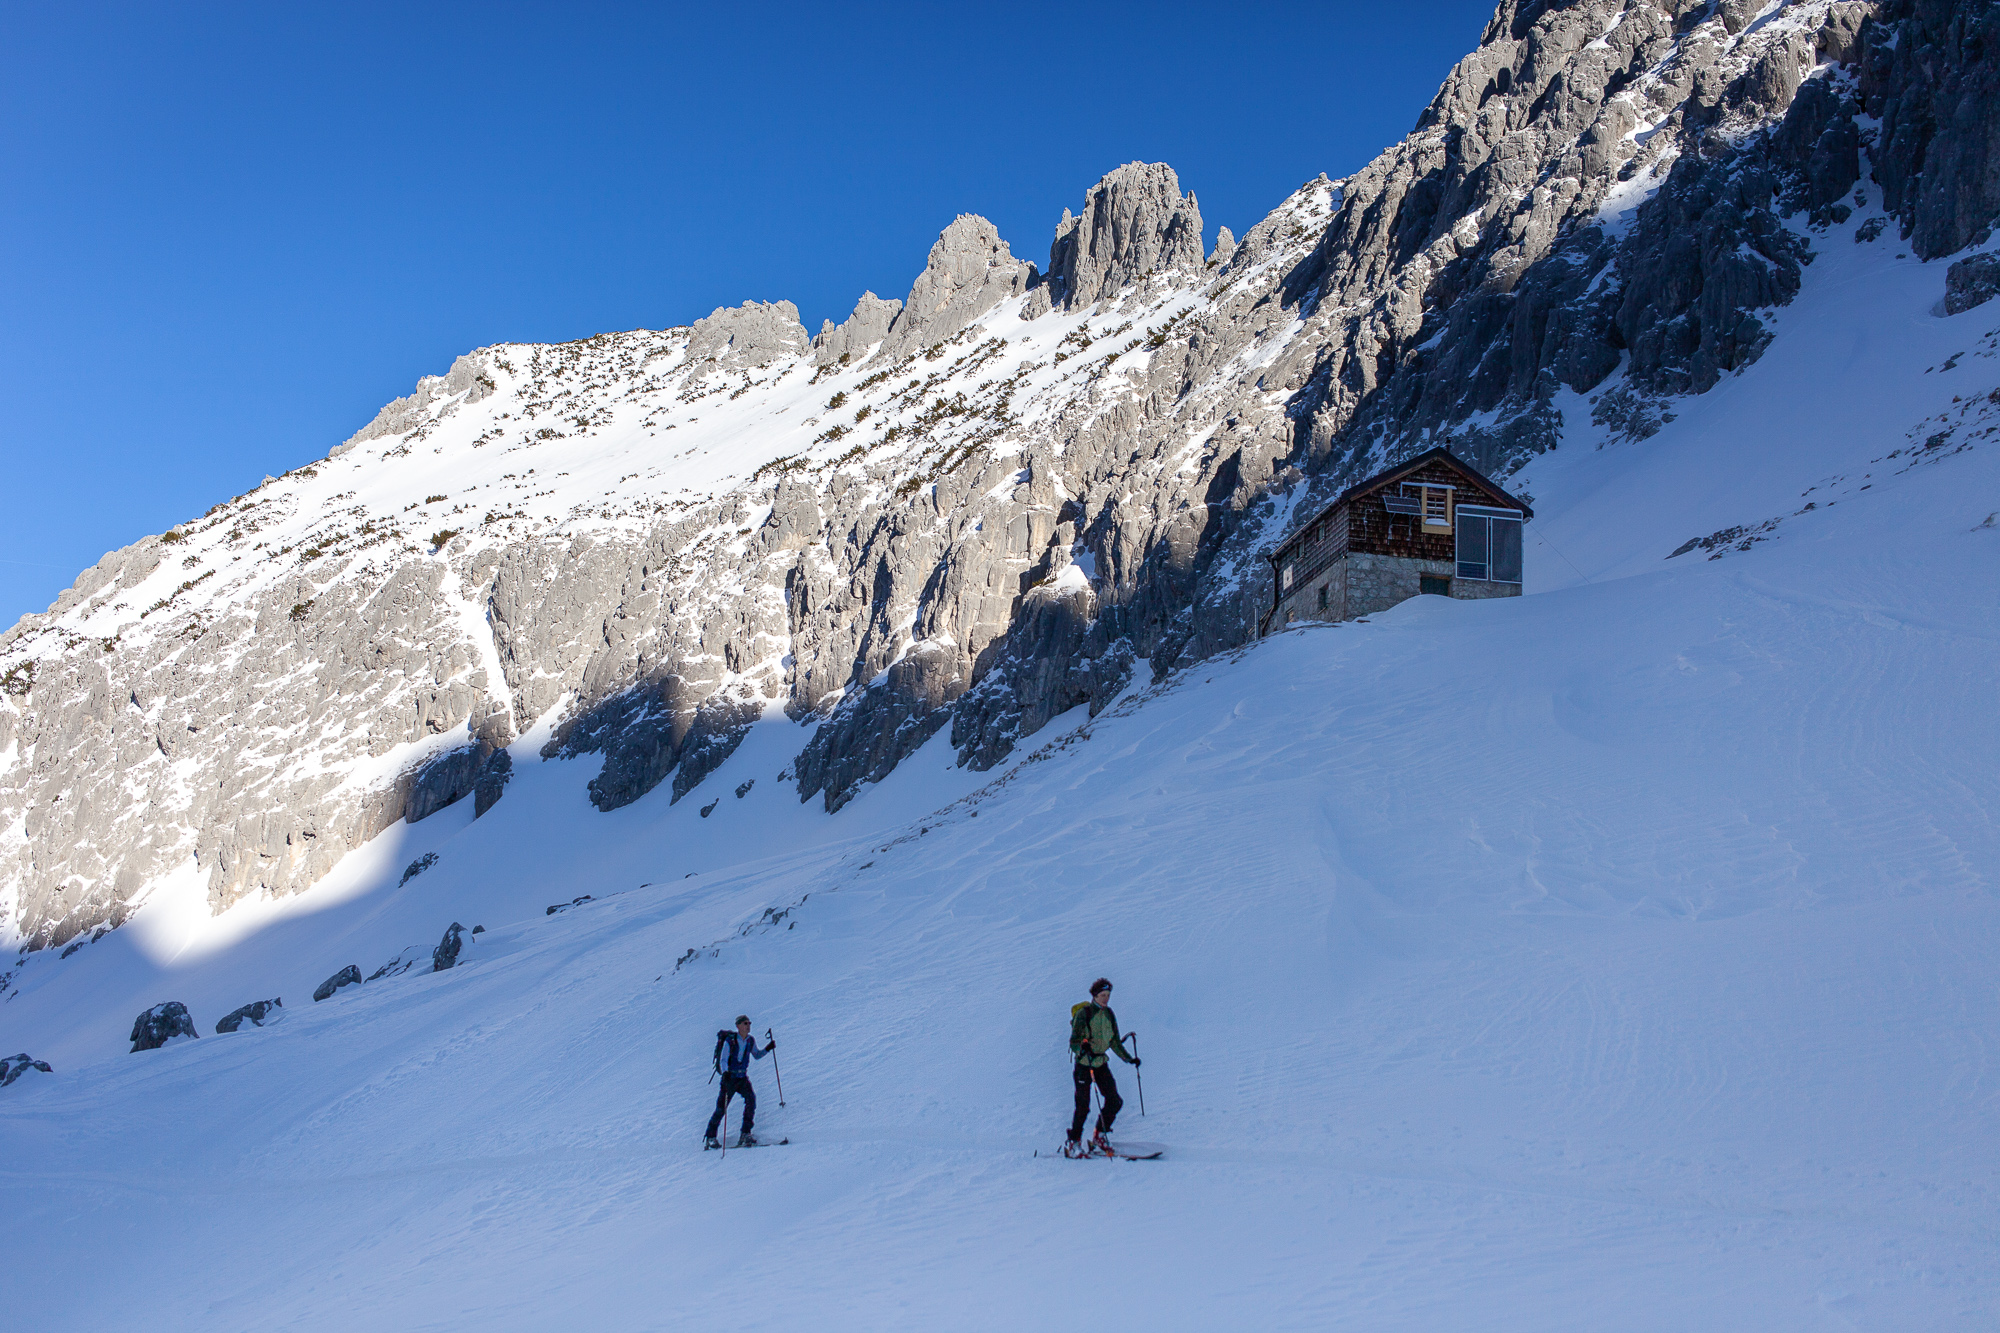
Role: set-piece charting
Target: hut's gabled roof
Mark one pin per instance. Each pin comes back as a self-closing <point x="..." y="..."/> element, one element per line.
<point x="1493" y="494"/>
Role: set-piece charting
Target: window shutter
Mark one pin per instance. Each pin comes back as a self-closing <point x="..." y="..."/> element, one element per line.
<point x="1437" y="507"/>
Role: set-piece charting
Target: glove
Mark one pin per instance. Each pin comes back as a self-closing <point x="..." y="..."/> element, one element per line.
<point x="771" y="1045"/>
<point x="1135" y="1062"/>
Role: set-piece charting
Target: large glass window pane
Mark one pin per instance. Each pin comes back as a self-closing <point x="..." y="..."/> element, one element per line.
<point x="1506" y="559"/>
<point x="1472" y="530"/>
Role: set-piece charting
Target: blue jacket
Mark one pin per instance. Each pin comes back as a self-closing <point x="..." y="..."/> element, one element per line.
<point x="740" y="1050"/>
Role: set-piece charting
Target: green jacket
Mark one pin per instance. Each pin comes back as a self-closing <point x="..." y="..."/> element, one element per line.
<point x="1099" y="1026"/>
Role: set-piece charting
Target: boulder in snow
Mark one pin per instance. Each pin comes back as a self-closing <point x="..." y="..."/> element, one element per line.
<point x="14" y="1066"/>
<point x="1971" y="282"/>
<point x="446" y="954"/>
<point x="347" y="976"/>
<point x="161" y="1024"/>
<point x="257" y="1015"/>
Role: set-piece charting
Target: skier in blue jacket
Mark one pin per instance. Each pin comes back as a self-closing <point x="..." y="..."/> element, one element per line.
<point x="741" y="1048"/>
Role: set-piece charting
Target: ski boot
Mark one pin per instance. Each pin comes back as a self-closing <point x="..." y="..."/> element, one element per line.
<point x="746" y="1140"/>
<point x="1073" y="1148"/>
<point x="709" y="1142"/>
<point x="1100" y="1145"/>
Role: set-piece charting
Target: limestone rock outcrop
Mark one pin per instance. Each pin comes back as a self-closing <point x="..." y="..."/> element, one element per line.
<point x="447" y="951"/>
<point x="347" y="976"/>
<point x="1135" y="223"/>
<point x="256" y="1014"/>
<point x="14" y="1066"/>
<point x="1225" y="248"/>
<point x="406" y="960"/>
<point x="755" y="333"/>
<point x="163" y="1023"/>
<point x="854" y="337"/>
<point x="970" y="270"/>
<point x="1971" y="282"/>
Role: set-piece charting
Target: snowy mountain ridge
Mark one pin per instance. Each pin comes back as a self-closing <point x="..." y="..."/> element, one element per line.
<point x="975" y="509"/>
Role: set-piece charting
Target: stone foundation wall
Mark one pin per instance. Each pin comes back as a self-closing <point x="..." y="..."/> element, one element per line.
<point x="1303" y="602"/>
<point x="1360" y="585"/>
<point x="1378" y="582"/>
<point x="1472" y="590"/>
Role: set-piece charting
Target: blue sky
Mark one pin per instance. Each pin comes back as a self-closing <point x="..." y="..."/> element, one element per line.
<point x="232" y="232"/>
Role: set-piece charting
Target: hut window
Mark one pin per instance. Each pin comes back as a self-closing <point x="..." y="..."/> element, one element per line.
<point x="1489" y="546"/>
<point x="1437" y="507"/>
<point x="1322" y="596"/>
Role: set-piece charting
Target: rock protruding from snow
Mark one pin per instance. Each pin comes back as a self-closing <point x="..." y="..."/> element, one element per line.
<point x="454" y="775"/>
<point x="492" y="783"/>
<point x="851" y="339"/>
<point x="257" y="1015"/>
<point x="1971" y="282"/>
<point x="446" y="954"/>
<point x="347" y="976"/>
<point x="14" y="1066"/>
<point x="1135" y="222"/>
<point x="161" y="1024"/>
<point x="970" y="271"/>
<point x="401" y="963"/>
<point x="755" y="333"/>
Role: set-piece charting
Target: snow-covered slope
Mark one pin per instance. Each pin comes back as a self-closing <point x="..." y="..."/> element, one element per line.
<point x="1617" y="956"/>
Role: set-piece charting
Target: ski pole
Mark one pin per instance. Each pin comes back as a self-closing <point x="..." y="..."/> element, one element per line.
<point x="771" y="1043"/>
<point x="1137" y="1073"/>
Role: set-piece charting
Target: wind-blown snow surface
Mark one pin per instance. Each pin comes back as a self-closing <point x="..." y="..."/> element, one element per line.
<point x="1619" y="956"/>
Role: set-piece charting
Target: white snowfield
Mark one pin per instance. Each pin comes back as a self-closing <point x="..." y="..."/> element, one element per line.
<point x="1617" y="957"/>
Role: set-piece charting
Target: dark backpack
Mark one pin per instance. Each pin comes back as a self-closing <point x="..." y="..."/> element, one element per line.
<point x="724" y="1035"/>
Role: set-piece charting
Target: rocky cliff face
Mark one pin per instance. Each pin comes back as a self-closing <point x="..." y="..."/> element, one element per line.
<point x="977" y="507"/>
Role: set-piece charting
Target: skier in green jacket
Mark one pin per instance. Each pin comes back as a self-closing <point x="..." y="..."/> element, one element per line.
<point x="1093" y="1031"/>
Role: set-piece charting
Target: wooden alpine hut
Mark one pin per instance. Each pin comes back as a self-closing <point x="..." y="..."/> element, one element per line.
<point x="1432" y="524"/>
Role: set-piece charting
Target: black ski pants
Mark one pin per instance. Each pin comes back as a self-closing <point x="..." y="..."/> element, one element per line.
<point x="1112" y="1101"/>
<point x="734" y="1083"/>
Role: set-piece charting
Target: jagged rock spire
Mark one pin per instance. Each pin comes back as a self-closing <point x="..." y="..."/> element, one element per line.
<point x="868" y="325"/>
<point x="1134" y="222"/>
<point x="970" y="271"/>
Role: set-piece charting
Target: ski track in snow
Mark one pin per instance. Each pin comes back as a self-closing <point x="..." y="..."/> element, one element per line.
<point x="1619" y="956"/>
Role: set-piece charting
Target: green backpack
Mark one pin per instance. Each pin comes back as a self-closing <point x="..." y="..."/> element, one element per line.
<point x="1079" y="1025"/>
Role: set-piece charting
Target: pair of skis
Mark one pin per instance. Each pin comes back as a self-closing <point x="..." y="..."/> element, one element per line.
<point x="1129" y="1151"/>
